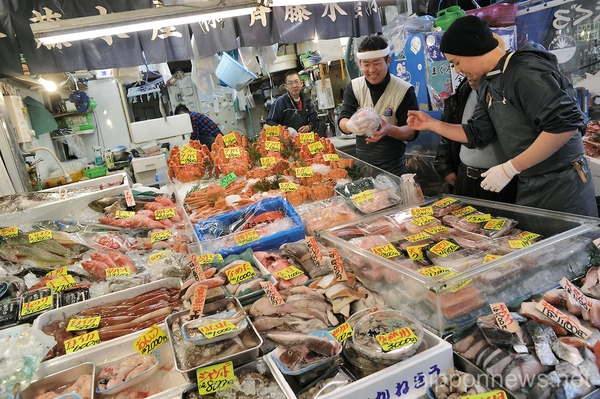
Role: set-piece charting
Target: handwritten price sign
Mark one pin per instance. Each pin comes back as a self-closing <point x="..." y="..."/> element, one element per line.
<point x="443" y="203"/>
<point x="227" y="180"/>
<point x="186" y="158"/>
<point x="272" y="293"/>
<point x="215" y="378"/>
<point x="216" y="329"/>
<point x="396" y="339"/>
<point x="423" y="220"/>
<point x="9" y="231"/>
<point x="124" y="214"/>
<point x="444" y="248"/>
<point x="272" y="131"/>
<point x="271" y="145"/>
<point x="240" y="273"/>
<point x="305" y="171"/>
<point x="38" y="236"/>
<point x="82" y="341"/>
<point x="229" y="139"/>
<point x="265" y="162"/>
<point x="421" y="211"/>
<point x="164" y="213"/>
<point x="337" y="266"/>
<point x="151" y="339"/>
<point x="495" y="224"/>
<point x="232" y="152"/>
<point x="315" y="147"/>
<point x="61" y="283"/>
<point x="206" y="259"/>
<point x="159" y="255"/>
<point x="331" y="157"/>
<point x="198" y="301"/>
<point x="61" y="271"/>
<point x="415" y="252"/>
<point x="527" y="235"/>
<point x="162" y="235"/>
<point x="306" y="137"/>
<point x="363" y="196"/>
<point x="436" y="230"/>
<point x="387" y="251"/>
<point x="36" y="305"/>
<point x="433" y="271"/>
<point x="497" y="394"/>
<point x="286" y="187"/>
<point x="479" y="218"/>
<point x="86" y="323"/>
<point x="342" y="332"/>
<point x="246" y="237"/>
<point x="289" y="273"/>
<point x="418" y="237"/>
<point x="118" y="271"/>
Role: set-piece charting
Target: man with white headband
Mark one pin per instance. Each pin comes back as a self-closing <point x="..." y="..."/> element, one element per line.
<point x="382" y="144"/>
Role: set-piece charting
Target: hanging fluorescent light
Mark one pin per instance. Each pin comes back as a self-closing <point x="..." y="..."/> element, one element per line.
<point x="48" y="84"/>
<point x="283" y="3"/>
<point x="72" y="29"/>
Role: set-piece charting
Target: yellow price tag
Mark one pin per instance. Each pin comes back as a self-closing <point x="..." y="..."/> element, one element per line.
<point x="186" y="158"/>
<point x="421" y="211"/>
<point x="479" y="218"/>
<point x="518" y="244"/>
<point x="159" y="255"/>
<point x="285" y="187"/>
<point x="306" y="137"/>
<point x="219" y="328"/>
<point x="496" y="394"/>
<point x="206" y="259"/>
<point x="124" y="214"/>
<point x="82" y="341"/>
<point x="240" y="273"/>
<point x="436" y="229"/>
<point x="217" y="377"/>
<point x="232" y="152"/>
<point x="331" y="157"/>
<point x="443" y="203"/>
<point x="363" y="196"/>
<point x="527" y="235"/>
<point x="151" y="339"/>
<point x="396" y="339"/>
<point x="272" y="131"/>
<point x="61" y="271"/>
<point x="305" y="171"/>
<point x="246" y="237"/>
<point x="289" y="273"/>
<point x="9" y="231"/>
<point x="164" y="213"/>
<point x="461" y="285"/>
<point x="162" y="235"/>
<point x="271" y="145"/>
<point x="86" y="323"/>
<point x="342" y="332"/>
<point x="265" y="162"/>
<point x="433" y="271"/>
<point x="36" y="305"/>
<point x="495" y="224"/>
<point x="61" y="283"/>
<point x="490" y="257"/>
<point x="444" y="248"/>
<point x="464" y="211"/>
<point x="229" y="139"/>
<point x="423" y="220"/>
<point x="187" y="148"/>
<point x="386" y="251"/>
<point x="417" y="237"/>
<point x="415" y="252"/>
<point x="118" y="271"/>
<point x="38" y="236"/>
<point x="315" y="147"/>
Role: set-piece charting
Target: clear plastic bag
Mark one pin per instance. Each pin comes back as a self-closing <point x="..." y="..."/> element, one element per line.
<point x="364" y="121"/>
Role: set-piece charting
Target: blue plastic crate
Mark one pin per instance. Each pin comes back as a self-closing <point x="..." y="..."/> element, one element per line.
<point x="209" y="244"/>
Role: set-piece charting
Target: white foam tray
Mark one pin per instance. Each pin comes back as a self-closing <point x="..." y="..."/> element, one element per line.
<point x="68" y="207"/>
<point x="438" y="354"/>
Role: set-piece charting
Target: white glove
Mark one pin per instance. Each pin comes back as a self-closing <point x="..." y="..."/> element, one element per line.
<point x="498" y="176"/>
<point x="357" y="130"/>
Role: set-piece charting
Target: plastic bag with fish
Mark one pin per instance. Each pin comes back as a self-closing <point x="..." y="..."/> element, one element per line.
<point x="299" y="252"/>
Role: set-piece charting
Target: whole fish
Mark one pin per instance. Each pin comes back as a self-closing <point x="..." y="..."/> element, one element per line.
<point x="118" y="203"/>
<point x="541" y="343"/>
<point x="49" y="245"/>
<point x="36" y="256"/>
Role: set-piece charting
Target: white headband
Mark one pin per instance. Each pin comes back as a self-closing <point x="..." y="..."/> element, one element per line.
<point x="368" y="55"/>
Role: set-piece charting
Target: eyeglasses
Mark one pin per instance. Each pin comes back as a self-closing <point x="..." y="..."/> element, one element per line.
<point x="294" y="83"/>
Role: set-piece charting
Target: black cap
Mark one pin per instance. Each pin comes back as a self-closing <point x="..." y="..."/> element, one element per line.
<point x="468" y="36"/>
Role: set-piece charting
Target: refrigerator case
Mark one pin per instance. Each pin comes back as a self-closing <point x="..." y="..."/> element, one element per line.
<point x="13" y="174"/>
<point x="454" y="303"/>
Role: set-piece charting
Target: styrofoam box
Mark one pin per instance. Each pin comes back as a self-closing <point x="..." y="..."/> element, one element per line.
<point x="595" y="169"/>
<point x="70" y="206"/>
<point x="437" y="356"/>
<point x="172" y="384"/>
<point x="67" y="311"/>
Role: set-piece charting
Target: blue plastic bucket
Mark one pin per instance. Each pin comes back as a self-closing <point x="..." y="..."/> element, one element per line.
<point x="232" y="73"/>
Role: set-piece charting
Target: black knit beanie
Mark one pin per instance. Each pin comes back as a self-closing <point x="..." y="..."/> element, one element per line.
<point x="468" y="36"/>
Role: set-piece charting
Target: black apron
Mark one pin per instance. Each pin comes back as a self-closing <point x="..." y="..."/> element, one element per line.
<point x="562" y="191"/>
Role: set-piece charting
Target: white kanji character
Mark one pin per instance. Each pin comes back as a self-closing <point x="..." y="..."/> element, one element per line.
<point x="260" y="14"/>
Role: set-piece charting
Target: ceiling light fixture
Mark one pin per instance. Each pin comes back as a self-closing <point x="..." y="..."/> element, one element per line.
<point x="49" y="85"/>
<point x="72" y="29"/>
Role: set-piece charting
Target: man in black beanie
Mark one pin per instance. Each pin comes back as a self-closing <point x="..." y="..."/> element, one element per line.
<point x="530" y="105"/>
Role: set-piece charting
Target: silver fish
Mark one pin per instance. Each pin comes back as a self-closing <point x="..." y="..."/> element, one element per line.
<point x="541" y="343"/>
<point x="563" y="351"/>
<point x="588" y="367"/>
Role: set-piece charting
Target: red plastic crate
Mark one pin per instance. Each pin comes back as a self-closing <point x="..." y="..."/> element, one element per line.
<point x="501" y="14"/>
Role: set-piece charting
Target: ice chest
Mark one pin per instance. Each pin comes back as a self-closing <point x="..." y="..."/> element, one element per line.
<point x="227" y="245"/>
<point x="456" y="302"/>
<point x="144" y="169"/>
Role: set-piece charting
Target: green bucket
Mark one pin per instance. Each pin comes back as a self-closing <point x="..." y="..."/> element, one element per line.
<point x="446" y="16"/>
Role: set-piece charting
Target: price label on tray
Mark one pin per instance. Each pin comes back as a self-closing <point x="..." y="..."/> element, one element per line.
<point x="337" y="266"/>
<point x="118" y="271"/>
<point x="436" y="229"/>
<point x="129" y="198"/>
<point x="396" y="339"/>
<point x="227" y="180"/>
<point x="219" y="328"/>
<point x="162" y="235"/>
<point x="528" y="235"/>
<point x="35" y="306"/>
<point x="82" y="341"/>
<point x="159" y="255"/>
<point x="286" y="187"/>
<point x="518" y="244"/>
<point x="86" y="323"/>
<point x="503" y="317"/>
<point x="461" y="285"/>
<point x="496" y="394"/>
<point x="271" y="145"/>
<point x="444" y="248"/>
<point x="490" y="257"/>
<point x="240" y="273"/>
<point x="205" y="259"/>
<point x="272" y="293"/>
<point x="229" y="139"/>
<point x="434" y="271"/>
<point x="423" y="220"/>
<point x="342" y="332"/>
<point x="305" y="171"/>
<point x="187" y="148"/>
<point x="445" y="202"/>
<point x="151" y="339"/>
<point x="313" y="249"/>
<point x="479" y="218"/>
<point x="464" y="211"/>
<point x="386" y="251"/>
<point x="421" y="211"/>
<point x="246" y="237"/>
<point x="215" y="378"/>
<point x="9" y="231"/>
<point x="289" y="273"/>
<point x="418" y="237"/>
<point x="315" y="147"/>
<point x="495" y="224"/>
<point x="415" y="252"/>
<point x="331" y="157"/>
<point x="186" y="158"/>
<point x="198" y="300"/>
<point x="232" y="152"/>
<point x="569" y="324"/>
<point x="124" y="214"/>
<point x="38" y="236"/>
<point x="197" y="271"/>
<point x="576" y="294"/>
<point x="61" y="271"/>
<point x="61" y="283"/>
<point x="265" y="162"/>
<point x="363" y="196"/>
<point x="306" y="137"/>
<point x="272" y="131"/>
<point x="164" y="213"/>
